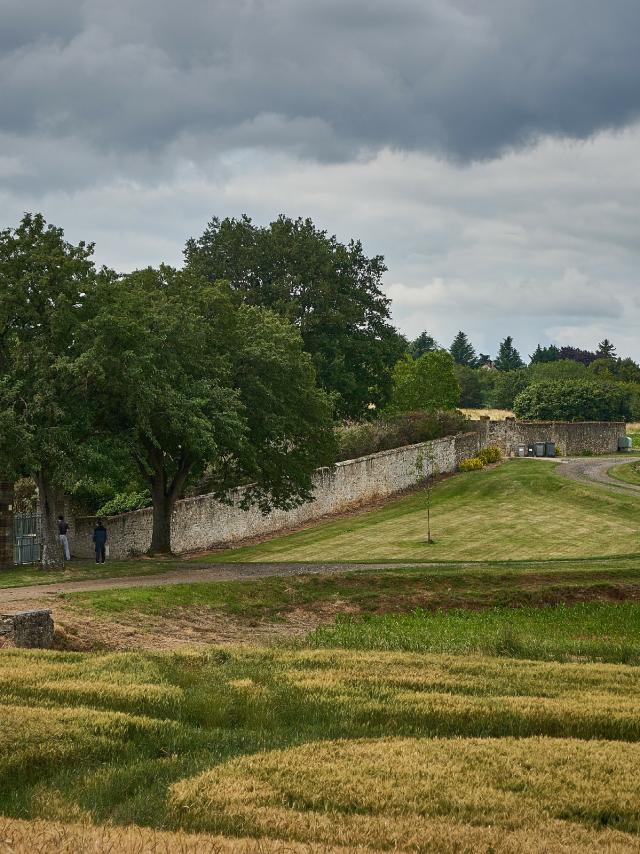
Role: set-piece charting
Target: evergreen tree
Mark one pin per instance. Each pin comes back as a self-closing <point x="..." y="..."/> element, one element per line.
<point x="424" y="343"/>
<point x="508" y="357"/>
<point x="606" y="350"/>
<point x="544" y="354"/>
<point x="462" y="351"/>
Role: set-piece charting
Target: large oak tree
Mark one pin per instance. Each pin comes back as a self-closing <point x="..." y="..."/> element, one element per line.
<point x="188" y="377"/>
<point x="329" y="290"/>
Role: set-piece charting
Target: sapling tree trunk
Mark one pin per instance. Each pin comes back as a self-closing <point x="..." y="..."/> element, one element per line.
<point x="425" y="477"/>
<point x="51" y="553"/>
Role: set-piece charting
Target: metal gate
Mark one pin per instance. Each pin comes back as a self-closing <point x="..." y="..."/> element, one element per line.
<point x="26" y="538"/>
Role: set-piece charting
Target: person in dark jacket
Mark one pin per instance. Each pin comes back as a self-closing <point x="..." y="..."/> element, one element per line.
<point x="100" y="541"/>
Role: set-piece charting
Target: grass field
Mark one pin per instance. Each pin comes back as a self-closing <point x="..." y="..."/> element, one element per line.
<point x="584" y="632"/>
<point x="493" y="414"/>
<point x="517" y="511"/>
<point x="487" y="702"/>
<point x="629" y="473"/>
<point x="334" y="747"/>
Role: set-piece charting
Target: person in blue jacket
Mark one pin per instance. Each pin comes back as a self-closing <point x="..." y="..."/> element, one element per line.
<point x="100" y="541"/>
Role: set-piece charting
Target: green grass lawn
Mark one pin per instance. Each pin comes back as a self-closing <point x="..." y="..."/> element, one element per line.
<point x="628" y="472"/>
<point x="583" y="632"/>
<point x="517" y="511"/>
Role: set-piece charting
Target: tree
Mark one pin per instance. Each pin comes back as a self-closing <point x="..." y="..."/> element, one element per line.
<point x="426" y="383"/>
<point x="577" y="355"/>
<point x="573" y="400"/>
<point x="462" y="351"/>
<point x="508" y="385"/>
<point x="562" y="369"/>
<point x="44" y="282"/>
<point x="508" y="357"/>
<point x="475" y="385"/>
<point x="605" y="350"/>
<point x="609" y="368"/>
<point x="188" y="377"/>
<point x="426" y="477"/>
<point x="330" y="291"/>
<point x="424" y="343"/>
<point x="543" y="355"/>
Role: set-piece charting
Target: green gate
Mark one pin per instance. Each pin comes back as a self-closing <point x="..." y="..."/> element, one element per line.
<point x="26" y="538"/>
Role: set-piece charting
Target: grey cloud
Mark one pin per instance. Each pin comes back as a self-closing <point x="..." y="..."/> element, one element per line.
<point x="322" y="78"/>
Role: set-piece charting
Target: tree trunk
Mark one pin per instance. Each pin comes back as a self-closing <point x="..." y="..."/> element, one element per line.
<point x="51" y="556"/>
<point x="164" y="492"/>
<point x="162" y="511"/>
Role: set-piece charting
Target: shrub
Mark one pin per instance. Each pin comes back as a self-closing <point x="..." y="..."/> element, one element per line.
<point x="491" y="454"/>
<point x="471" y="464"/>
<point x="573" y="400"/>
<point x="125" y="502"/>
<point x="409" y="428"/>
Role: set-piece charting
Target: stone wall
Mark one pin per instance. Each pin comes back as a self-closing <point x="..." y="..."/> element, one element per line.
<point x="571" y="438"/>
<point x="202" y="523"/>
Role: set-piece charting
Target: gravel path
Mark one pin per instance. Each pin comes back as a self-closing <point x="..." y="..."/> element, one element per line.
<point x="206" y="572"/>
<point x="595" y="469"/>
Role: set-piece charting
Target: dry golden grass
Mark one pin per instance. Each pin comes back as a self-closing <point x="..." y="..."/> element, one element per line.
<point x="493" y="414"/>
<point x="317" y="747"/>
<point x="390" y="793"/>
<point x="40" y="837"/>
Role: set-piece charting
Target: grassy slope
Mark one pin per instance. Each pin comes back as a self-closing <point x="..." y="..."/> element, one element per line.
<point x="131" y="738"/>
<point x="628" y="472"/>
<point x="519" y="510"/>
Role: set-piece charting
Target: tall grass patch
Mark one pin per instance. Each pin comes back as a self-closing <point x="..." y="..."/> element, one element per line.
<point x="584" y="632"/>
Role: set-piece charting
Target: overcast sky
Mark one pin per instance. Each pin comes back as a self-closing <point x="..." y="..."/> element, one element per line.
<point x="489" y="149"/>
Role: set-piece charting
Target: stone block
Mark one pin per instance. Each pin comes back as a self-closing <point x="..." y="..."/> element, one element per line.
<point x="28" y="629"/>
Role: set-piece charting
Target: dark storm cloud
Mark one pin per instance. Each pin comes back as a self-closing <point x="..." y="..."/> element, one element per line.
<point x="325" y="78"/>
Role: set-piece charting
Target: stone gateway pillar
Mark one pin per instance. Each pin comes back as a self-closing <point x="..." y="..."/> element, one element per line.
<point x="6" y="525"/>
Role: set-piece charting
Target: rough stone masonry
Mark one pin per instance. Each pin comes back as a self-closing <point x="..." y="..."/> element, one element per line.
<point x="31" y="629"/>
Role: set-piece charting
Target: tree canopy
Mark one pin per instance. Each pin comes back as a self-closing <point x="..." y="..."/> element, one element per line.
<point x="44" y="282"/>
<point x="573" y="400"/>
<point x="424" y="343"/>
<point x="544" y="354"/>
<point x="190" y="377"/>
<point x="428" y="382"/>
<point x="329" y="290"/>
<point x="462" y="351"/>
